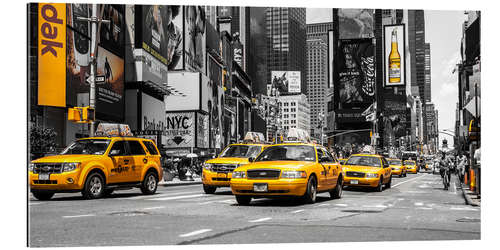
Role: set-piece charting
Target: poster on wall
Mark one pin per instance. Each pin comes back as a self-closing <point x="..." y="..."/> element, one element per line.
<point x="180" y="129"/>
<point x="394" y="55"/>
<point x="111" y="36"/>
<point x="202" y="131"/>
<point x="214" y="102"/>
<point x="356" y="23"/>
<point x="285" y="81"/>
<point x="195" y="38"/>
<point x="355" y="64"/>
<point x="109" y="95"/>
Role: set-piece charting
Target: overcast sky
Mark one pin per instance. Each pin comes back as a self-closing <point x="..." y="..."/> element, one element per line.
<point x="443" y="30"/>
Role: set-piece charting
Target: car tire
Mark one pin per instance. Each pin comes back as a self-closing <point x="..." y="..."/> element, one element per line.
<point x="388" y="184"/>
<point x="209" y="189"/>
<point x="42" y="195"/>
<point x="94" y="186"/>
<point x="380" y="186"/>
<point x="243" y="200"/>
<point x="150" y="183"/>
<point x="311" y="191"/>
<point x="405" y="173"/>
<point x="336" y="193"/>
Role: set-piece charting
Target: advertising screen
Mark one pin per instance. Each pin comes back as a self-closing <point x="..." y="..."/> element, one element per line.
<point x="394" y="55"/>
<point x="285" y="81"/>
<point x="395" y="116"/>
<point x="109" y="94"/>
<point x="186" y="96"/>
<point x="355" y="23"/>
<point x="355" y="73"/>
<point x="161" y="34"/>
<point x="111" y="36"/>
<point x="180" y="129"/>
<point x="195" y="38"/>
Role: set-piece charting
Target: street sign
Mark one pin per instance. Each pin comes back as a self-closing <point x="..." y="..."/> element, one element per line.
<point x="98" y="79"/>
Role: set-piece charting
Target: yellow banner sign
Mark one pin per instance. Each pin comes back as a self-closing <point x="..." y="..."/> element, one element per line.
<point x="52" y="54"/>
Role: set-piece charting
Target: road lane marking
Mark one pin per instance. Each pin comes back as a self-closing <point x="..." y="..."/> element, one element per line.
<point x="425" y="208"/>
<point x="297" y="211"/>
<point x="322" y="205"/>
<point x="260" y="220"/>
<point x="395" y="185"/>
<point x="195" y="233"/>
<point x="152" y="208"/>
<point x="454" y="188"/>
<point x="375" y="206"/>
<point x="231" y="201"/>
<point x="464" y="208"/>
<point x="77" y="216"/>
<point x="340" y="205"/>
<point x="419" y="204"/>
<point x="176" y="197"/>
<point x="159" y="195"/>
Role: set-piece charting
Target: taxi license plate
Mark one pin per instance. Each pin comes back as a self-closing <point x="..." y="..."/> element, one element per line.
<point x="43" y="177"/>
<point x="354" y="182"/>
<point x="222" y="175"/>
<point x="260" y="187"/>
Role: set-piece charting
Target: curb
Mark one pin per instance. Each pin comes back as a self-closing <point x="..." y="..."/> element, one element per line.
<point x="187" y="183"/>
<point x="468" y="200"/>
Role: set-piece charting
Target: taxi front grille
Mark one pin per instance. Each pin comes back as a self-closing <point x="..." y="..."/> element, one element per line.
<point x="220" y="179"/>
<point x="263" y="174"/>
<point x="223" y="168"/>
<point x="45" y="181"/>
<point x="47" y="168"/>
<point x="355" y="174"/>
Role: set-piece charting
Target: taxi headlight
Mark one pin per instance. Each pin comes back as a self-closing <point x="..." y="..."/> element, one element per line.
<point x="207" y="166"/>
<point x="371" y="175"/>
<point x="293" y="174"/>
<point x="239" y="175"/>
<point x="31" y="167"/>
<point x="70" y="166"/>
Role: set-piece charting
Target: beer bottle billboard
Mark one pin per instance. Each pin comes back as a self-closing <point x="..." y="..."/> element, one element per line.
<point x="394" y="60"/>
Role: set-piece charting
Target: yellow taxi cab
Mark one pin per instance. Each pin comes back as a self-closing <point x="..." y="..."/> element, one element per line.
<point x="397" y="167"/>
<point x="96" y="166"/>
<point x="367" y="170"/>
<point x="217" y="172"/>
<point x="411" y="166"/>
<point x="296" y="168"/>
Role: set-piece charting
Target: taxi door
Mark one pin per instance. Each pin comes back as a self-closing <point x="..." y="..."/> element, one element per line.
<point x="121" y="160"/>
<point x="387" y="171"/>
<point x="330" y="168"/>
<point x="323" y="174"/>
<point x="139" y="160"/>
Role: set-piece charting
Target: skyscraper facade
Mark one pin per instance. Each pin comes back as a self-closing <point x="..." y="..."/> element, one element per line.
<point x="286" y="40"/>
<point x="319" y="31"/>
<point x="295" y="112"/>
<point x="427" y="85"/>
<point x="317" y="83"/>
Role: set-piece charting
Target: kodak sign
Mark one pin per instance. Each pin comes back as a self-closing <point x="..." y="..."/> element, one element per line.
<point x="52" y="54"/>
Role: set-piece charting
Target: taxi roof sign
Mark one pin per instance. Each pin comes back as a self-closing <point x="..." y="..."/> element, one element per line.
<point x="113" y="129"/>
<point x="298" y="135"/>
<point x="254" y="137"/>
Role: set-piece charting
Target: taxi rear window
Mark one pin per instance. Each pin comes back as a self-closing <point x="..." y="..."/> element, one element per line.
<point x="151" y="147"/>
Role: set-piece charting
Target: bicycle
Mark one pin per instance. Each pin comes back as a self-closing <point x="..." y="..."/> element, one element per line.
<point x="446" y="179"/>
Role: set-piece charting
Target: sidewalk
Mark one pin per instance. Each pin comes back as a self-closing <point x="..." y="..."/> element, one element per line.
<point x="470" y="198"/>
<point x="177" y="182"/>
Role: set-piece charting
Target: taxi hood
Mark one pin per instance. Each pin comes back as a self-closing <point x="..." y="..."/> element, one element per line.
<point x="65" y="158"/>
<point x="276" y="165"/>
<point x="360" y="168"/>
<point x="228" y="160"/>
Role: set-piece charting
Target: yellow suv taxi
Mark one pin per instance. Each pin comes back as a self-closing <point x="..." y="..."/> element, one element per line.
<point x="397" y="167"/>
<point x="411" y="166"/>
<point x="217" y="172"/>
<point x="288" y="169"/>
<point x="367" y="170"/>
<point x="96" y="166"/>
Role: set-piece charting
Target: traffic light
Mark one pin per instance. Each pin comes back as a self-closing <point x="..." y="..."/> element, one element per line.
<point x="88" y="114"/>
<point x="74" y="114"/>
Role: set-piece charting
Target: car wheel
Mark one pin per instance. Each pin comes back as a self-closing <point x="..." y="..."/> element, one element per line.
<point x="243" y="199"/>
<point x="42" y="195"/>
<point x="150" y="183"/>
<point x="388" y="184"/>
<point x="94" y="186"/>
<point x="380" y="186"/>
<point x="336" y="193"/>
<point x="311" y="191"/>
<point x="209" y="189"/>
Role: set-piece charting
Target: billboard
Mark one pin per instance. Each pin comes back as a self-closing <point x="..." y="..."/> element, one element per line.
<point x="195" y="38"/>
<point x="109" y="95"/>
<point x="356" y="23"/>
<point x="111" y="35"/>
<point x="213" y="102"/>
<point x="394" y="55"/>
<point x="355" y="67"/>
<point x="187" y="95"/>
<point x="395" y="116"/>
<point x="52" y="55"/>
<point x="202" y="138"/>
<point x="180" y="129"/>
<point x="285" y="81"/>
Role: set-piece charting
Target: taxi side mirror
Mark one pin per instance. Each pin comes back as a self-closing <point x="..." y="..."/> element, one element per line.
<point x="251" y="159"/>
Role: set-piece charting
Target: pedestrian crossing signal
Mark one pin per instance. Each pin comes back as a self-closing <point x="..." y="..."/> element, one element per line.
<point x="81" y="114"/>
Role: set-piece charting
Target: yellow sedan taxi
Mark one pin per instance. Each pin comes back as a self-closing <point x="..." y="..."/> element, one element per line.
<point x="397" y="167"/>
<point x="288" y="169"/>
<point x="411" y="166"/>
<point x="367" y="170"/>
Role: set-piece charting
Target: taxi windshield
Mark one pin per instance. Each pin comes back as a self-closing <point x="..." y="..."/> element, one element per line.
<point x="241" y="151"/>
<point x="409" y="163"/>
<point x="368" y="161"/>
<point x="87" y="147"/>
<point x="394" y="162"/>
<point x="288" y="153"/>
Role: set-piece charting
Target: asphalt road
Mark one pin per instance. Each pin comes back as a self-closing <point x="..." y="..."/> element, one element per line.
<point x="415" y="208"/>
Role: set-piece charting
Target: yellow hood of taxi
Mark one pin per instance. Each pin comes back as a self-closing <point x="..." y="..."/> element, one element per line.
<point x="360" y="168"/>
<point x="66" y="158"/>
<point x="228" y="160"/>
<point x="276" y="165"/>
<point x="395" y="166"/>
